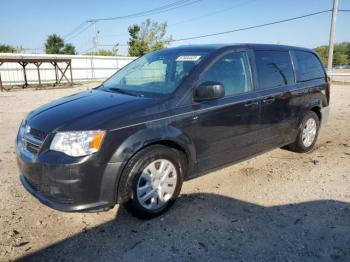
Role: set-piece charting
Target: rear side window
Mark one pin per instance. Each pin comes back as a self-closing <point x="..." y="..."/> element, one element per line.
<point x="274" y="69"/>
<point x="308" y="66"/>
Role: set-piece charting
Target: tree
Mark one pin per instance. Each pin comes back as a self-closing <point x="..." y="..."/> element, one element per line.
<point x="340" y="58"/>
<point x="341" y="55"/>
<point x="55" y="45"/>
<point x="69" y="49"/>
<point x="147" y="37"/>
<point x="7" y="49"/>
<point x="323" y="53"/>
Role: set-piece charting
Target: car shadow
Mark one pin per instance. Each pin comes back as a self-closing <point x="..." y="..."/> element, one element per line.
<point x="212" y="227"/>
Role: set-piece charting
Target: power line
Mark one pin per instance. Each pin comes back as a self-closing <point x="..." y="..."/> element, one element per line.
<point x="80" y="28"/>
<point x="213" y="13"/>
<point x="195" y="18"/>
<point x="247" y="28"/>
<point x="113" y="35"/>
<point x="164" y="8"/>
<point x="75" y="29"/>
<point x="78" y="32"/>
<point x="161" y="9"/>
<point x="252" y="27"/>
<point x="244" y="28"/>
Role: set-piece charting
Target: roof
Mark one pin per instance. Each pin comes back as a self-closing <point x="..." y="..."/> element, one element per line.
<point x="210" y="47"/>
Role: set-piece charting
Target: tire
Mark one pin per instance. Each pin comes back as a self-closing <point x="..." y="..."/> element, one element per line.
<point x="152" y="181"/>
<point x="303" y="144"/>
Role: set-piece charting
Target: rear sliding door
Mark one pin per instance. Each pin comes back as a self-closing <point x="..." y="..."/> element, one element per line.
<point x="279" y="96"/>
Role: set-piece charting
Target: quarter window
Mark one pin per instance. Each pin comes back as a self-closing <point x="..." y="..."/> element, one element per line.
<point x="308" y="65"/>
<point x="274" y="69"/>
<point x="232" y="70"/>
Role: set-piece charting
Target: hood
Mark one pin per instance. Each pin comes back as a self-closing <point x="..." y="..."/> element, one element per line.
<point x="86" y="110"/>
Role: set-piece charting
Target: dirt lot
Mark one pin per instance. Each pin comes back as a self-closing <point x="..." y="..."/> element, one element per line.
<point x="280" y="206"/>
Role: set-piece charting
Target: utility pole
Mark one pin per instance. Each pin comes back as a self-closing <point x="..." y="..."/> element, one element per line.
<point x="95" y="46"/>
<point x="95" y="38"/>
<point x="332" y="35"/>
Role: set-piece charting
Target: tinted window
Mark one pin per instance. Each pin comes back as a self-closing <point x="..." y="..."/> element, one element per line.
<point x="156" y="73"/>
<point x="274" y="69"/>
<point x="232" y="71"/>
<point x="153" y="72"/>
<point x="308" y="66"/>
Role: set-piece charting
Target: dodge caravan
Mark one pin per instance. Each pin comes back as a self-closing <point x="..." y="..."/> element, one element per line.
<point x="167" y="117"/>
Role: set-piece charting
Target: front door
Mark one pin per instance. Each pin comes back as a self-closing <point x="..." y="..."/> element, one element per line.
<point x="225" y="129"/>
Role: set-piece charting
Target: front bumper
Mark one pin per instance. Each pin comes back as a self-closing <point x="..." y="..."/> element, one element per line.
<point x="68" y="184"/>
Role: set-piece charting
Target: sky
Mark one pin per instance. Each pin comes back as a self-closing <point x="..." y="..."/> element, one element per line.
<point x="27" y="23"/>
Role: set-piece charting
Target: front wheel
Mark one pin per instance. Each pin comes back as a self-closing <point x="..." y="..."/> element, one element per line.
<point x="307" y="135"/>
<point x="154" y="180"/>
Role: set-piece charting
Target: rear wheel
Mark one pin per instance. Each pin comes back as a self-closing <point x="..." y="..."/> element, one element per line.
<point x="153" y="180"/>
<point x="307" y="135"/>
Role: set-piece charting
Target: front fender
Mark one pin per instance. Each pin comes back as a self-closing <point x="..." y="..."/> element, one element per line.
<point x="151" y="135"/>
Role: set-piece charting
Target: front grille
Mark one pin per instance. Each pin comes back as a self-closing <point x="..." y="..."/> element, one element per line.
<point x="31" y="147"/>
<point x="33" y="139"/>
<point x="41" y="135"/>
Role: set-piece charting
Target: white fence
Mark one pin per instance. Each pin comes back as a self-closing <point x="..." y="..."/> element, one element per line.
<point x="340" y="75"/>
<point x="84" y="68"/>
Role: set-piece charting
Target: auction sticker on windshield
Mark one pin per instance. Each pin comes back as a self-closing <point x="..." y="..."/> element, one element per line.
<point x="188" y="58"/>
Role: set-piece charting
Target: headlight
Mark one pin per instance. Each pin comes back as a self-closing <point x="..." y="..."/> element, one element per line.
<point x="77" y="143"/>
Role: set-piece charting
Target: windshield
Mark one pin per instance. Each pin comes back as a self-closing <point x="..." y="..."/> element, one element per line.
<point x="157" y="73"/>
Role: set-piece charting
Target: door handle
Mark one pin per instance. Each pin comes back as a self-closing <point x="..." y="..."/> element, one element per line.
<point x="269" y="100"/>
<point x="252" y="104"/>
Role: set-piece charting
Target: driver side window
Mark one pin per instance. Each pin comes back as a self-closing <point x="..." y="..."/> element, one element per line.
<point x="231" y="70"/>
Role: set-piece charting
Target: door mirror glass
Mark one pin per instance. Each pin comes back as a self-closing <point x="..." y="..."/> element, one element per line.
<point x="209" y="91"/>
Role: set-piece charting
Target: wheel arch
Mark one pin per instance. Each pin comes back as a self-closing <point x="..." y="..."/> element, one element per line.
<point x="317" y="110"/>
<point x="167" y="136"/>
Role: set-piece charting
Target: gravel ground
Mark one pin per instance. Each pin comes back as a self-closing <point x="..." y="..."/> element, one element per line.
<point x="280" y="206"/>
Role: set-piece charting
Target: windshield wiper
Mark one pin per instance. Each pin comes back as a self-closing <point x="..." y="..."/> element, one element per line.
<point x="123" y="91"/>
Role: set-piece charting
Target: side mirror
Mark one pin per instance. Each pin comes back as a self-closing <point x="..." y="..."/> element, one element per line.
<point x="209" y="91"/>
